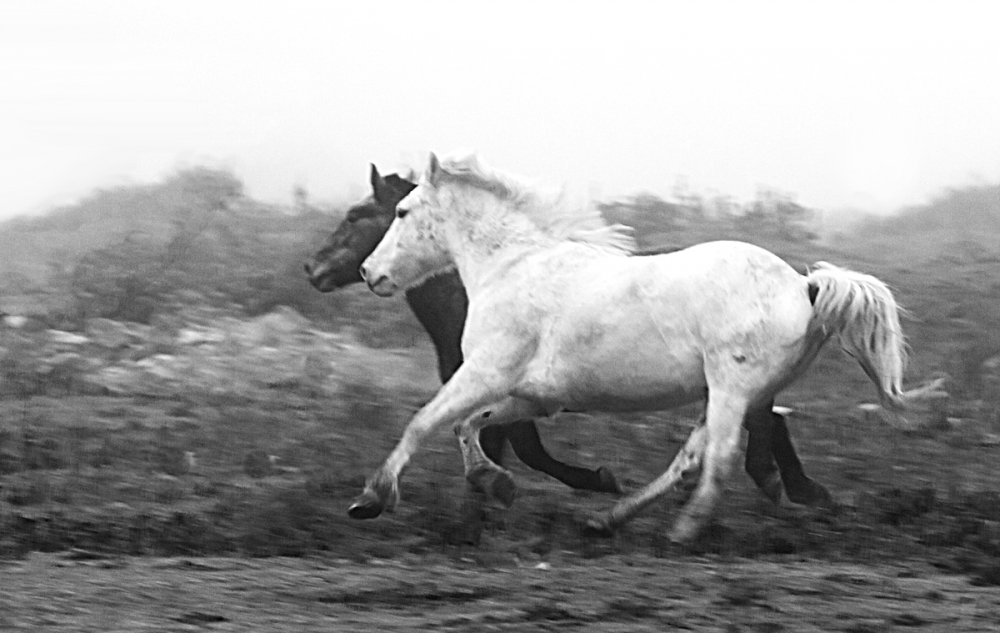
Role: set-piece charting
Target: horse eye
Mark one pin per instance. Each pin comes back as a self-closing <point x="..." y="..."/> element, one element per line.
<point x="401" y="213"/>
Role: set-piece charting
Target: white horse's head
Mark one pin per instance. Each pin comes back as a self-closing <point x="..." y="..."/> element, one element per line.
<point x="412" y="249"/>
<point x="465" y="211"/>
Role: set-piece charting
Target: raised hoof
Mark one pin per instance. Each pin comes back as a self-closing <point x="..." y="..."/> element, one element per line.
<point x="607" y="482"/>
<point x="497" y="483"/>
<point x="503" y="489"/>
<point x="598" y="526"/>
<point x="366" y="506"/>
<point x="811" y="494"/>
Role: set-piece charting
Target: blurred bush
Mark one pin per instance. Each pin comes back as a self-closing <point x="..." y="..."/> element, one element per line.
<point x="143" y="252"/>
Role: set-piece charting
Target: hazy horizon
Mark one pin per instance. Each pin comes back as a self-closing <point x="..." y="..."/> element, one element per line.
<point x="848" y="105"/>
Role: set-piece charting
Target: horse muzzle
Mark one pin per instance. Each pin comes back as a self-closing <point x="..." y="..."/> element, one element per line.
<point x="378" y="283"/>
<point x="319" y="276"/>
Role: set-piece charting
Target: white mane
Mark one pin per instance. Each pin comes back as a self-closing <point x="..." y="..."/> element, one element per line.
<point x="550" y="213"/>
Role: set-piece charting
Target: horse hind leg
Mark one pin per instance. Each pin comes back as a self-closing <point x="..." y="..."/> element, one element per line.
<point x="771" y="461"/>
<point x="760" y="460"/>
<point x="799" y="487"/>
<point x="689" y="477"/>
<point x="723" y="422"/>
<point x="687" y="462"/>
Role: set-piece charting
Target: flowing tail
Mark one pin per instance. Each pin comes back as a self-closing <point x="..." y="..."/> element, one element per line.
<point x="865" y="315"/>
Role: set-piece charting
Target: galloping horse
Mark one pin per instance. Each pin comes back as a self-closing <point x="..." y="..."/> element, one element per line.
<point x="440" y="304"/>
<point x="562" y="317"/>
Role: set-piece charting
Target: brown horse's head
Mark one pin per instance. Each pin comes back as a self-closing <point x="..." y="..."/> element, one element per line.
<point x="336" y="264"/>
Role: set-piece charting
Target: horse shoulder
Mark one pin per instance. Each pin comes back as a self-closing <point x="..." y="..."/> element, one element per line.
<point x="503" y="325"/>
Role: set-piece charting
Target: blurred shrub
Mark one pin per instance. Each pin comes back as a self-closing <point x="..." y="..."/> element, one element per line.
<point x="196" y="240"/>
<point x="773" y="215"/>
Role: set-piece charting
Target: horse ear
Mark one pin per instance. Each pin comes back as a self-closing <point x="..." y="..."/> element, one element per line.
<point x="433" y="168"/>
<point x="401" y="185"/>
<point x="378" y="183"/>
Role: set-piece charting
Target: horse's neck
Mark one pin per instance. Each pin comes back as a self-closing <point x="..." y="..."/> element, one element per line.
<point x="487" y="246"/>
<point x="440" y="304"/>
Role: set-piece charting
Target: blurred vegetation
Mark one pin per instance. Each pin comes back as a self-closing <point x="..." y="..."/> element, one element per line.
<point x="773" y="215"/>
<point x="134" y="252"/>
<point x="213" y="402"/>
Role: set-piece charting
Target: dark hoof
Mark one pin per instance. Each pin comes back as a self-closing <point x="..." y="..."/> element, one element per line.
<point x="366" y="506"/>
<point x="503" y="488"/>
<point x="811" y="494"/>
<point x="598" y="526"/>
<point x="607" y="482"/>
<point x="497" y="483"/>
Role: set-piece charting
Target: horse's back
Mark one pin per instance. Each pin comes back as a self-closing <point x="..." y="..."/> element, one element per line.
<point x="735" y="289"/>
<point x="721" y="272"/>
<point x="649" y="323"/>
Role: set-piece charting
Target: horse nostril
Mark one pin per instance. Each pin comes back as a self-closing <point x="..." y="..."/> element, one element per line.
<point x="364" y="272"/>
<point x="308" y="268"/>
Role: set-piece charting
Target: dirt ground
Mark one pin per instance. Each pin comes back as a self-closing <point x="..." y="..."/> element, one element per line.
<point x="49" y="592"/>
<point x="914" y="544"/>
<point x="105" y="525"/>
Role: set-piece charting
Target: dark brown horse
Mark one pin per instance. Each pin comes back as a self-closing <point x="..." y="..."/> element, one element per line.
<point x="440" y="304"/>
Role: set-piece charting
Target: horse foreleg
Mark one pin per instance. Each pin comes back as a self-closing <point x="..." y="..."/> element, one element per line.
<point x="722" y="429"/>
<point x="527" y="445"/>
<point x="466" y="392"/>
<point x="480" y="470"/>
<point x="687" y="461"/>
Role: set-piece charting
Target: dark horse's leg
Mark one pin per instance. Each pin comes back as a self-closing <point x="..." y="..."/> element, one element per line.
<point x="760" y="463"/>
<point x="527" y="445"/>
<point x="771" y="461"/>
<point x="798" y="486"/>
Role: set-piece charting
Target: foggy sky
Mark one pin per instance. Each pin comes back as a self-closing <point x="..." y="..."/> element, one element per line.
<point x="867" y="105"/>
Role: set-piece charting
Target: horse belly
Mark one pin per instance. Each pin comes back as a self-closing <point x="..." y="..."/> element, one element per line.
<point x="629" y="368"/>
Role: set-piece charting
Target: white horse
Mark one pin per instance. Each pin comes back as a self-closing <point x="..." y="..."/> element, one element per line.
<point x="560" y="317"/>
